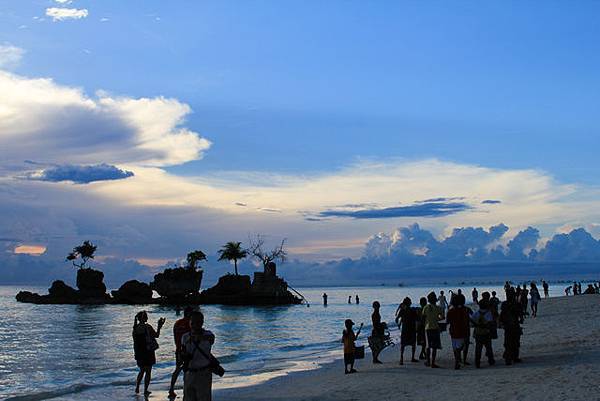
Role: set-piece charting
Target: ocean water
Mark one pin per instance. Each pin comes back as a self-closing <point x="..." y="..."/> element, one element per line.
<point x="48" y="351"/>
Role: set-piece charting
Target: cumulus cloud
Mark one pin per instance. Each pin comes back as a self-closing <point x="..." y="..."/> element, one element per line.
<point x="42" y="120"/>
<point x="80" y="174"/>
<point x="62" y="14"/>
<point x="10" y="56"/>
<point x="413" y="245"/>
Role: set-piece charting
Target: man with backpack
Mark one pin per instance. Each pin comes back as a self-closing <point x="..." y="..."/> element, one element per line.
<point x="483" y="320"/>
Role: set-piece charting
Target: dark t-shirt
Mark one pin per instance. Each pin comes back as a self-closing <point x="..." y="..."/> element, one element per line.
<point x="458" y="318"/>
<point x="409" y="319"/>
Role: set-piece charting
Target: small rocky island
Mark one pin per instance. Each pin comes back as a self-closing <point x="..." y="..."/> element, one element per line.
<point x="174" y="286"/>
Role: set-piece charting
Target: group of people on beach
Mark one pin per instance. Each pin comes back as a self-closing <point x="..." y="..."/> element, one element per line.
<point x="593" y="288"/>
<point x="421" y="326"/>
<point x="192" y="354"/>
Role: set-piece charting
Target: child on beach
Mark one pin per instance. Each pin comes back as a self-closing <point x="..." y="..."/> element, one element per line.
<point x="348" y="338"/>
<point x="432" y="314"/>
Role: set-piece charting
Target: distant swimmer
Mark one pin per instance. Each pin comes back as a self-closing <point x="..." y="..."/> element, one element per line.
<point x="349" y="299"/>
<point x="357" y="299"/>
<point x="325" y="299"/>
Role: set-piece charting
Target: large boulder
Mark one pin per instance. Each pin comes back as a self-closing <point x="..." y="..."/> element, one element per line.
<point x="59" y="290"/>
<point x="178" y="284"/>
<point x="29" y="297"/>
<point x="231" y="289"/>
<point x="90" y="283"/>
<point x="133" y="292"/>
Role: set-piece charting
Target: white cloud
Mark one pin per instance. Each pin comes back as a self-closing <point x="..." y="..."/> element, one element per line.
<point x="41" y="120"/>
<point x="10" y="56"/>
<point x="64" y="1"/>
<point x="61" y="14"/>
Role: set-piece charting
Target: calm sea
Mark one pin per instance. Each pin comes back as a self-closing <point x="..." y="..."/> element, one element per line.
<point x="52" y="350"/>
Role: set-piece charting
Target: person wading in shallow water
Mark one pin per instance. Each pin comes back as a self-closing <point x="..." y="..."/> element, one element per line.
<point x="180" y="327"/>
<point x="144" y="346"/>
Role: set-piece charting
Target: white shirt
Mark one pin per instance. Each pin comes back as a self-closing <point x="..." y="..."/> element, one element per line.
<point x="204" y="342"/>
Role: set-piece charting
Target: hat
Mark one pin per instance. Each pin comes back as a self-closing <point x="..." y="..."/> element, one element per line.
<point x="349" y="322"/>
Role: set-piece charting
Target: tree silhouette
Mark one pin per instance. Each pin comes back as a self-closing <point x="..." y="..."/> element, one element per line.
<point x="257" y="250"/>
<point x="84" y="251"/>
<point x="233" y="251"/>
<point x="194" y="257"/>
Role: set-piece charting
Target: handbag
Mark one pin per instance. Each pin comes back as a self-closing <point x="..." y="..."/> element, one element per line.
<point x="151" y="343"/>
<point x="359" y="352"/>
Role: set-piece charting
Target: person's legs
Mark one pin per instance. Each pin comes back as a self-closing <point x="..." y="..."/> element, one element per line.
<point x="465" y="351"/>
<point x="428" y="357"/>
<point x="147" y="378"/>
<point x="414" y="349"/>
<point x="489" y="352"/>
<point x="402" y="355"/>
<point x="138" y="381"/>
<point x="478" y="348"/>
<point x="174" y="377"/>
<point x="433" y="355"/>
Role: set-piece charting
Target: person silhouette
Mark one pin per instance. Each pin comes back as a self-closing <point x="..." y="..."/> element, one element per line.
<point x="144" y="346"/>
<point x="349" y="299"/>
<point x="324" y="299"/>
<point x="196" y="345"/>
<point x="180" y="327"/>
<point x="357" y="299"/>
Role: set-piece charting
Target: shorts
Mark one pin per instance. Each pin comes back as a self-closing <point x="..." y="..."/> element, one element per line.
<point x="348" y="358"/>
<point x="458" y="343"/>
<point x="433" y="339"/>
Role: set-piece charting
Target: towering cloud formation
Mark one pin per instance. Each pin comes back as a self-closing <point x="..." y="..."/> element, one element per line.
<point x="413" y="245"/>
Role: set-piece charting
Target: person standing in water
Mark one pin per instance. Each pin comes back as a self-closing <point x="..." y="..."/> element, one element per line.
<point x="357" y="299"/>
<point x="443" y="303"/>
<point x="349" y="299"/>
<point x="475" y="295"/>
<point x="145" y="346"/>
<point x="546" y="288"/>
<point x="324" y="299"/>
<point x="406" y="319"/>
<point x="180" y="327"/>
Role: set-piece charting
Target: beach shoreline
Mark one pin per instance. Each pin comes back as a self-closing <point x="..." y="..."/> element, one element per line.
<point x="560" y="351"/>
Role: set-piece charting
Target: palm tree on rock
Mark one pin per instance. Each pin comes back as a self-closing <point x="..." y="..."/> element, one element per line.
<point x="233" y="251"/>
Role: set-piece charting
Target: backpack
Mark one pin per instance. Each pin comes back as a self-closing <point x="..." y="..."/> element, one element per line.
<point x="482" y="327"/>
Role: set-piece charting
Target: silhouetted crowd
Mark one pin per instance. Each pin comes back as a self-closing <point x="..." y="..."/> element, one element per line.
<point x="478" y="323"/>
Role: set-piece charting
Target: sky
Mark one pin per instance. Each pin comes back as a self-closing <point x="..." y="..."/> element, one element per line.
<point x="154" y="128"/>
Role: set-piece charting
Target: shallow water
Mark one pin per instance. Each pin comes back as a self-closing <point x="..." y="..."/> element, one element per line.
<point x="52" y="350"/>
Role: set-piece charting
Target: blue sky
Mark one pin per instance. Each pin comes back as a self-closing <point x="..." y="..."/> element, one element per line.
<point x="304" y="97"/>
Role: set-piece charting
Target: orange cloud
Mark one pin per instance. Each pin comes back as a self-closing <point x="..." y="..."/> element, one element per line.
<point x="30" y="249"/>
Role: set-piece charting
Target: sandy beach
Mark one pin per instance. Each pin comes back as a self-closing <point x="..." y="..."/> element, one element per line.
<point x="560" y="351"/>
